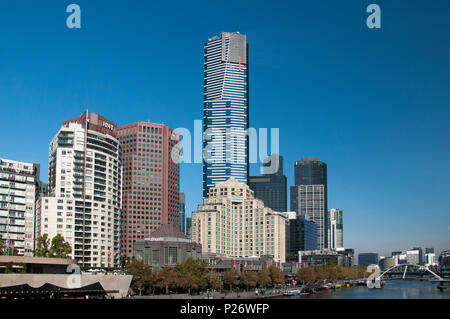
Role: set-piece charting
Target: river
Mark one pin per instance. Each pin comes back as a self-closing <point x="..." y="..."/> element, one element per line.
<point x="394" y="289"/>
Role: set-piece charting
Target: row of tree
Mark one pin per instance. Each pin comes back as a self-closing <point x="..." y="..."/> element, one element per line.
<point x="56" y="248"/>
<point x="192" y="275"/>
<point x="330" y="272"/>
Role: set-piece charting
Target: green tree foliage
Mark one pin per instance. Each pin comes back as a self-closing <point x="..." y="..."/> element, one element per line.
<point x="332" y="273"/>
<point x="215" y="281"/>
<point x="59" y="247"/>
<point x="42" y="246"/>
<point x="263" y="278"/>
<point x="197" y="271"/>
<point x="248" y="279"/>
<point x="167" y="278"/>
<point x="276" y="276"/>
<point x="230" y="278"/>
<point x="188" y="281"/>
<point x="143" y="276"/>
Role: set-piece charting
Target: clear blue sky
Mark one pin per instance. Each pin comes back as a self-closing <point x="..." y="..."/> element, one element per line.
<point x="373" y="104"/>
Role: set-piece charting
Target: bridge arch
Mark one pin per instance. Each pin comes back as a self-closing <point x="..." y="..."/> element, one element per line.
<point x="406" y="268"/>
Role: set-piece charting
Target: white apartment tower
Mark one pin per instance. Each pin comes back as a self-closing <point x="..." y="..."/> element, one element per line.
<point x="18" y="186"/>
<point x="335" y="229"/>
<point x="85" y="185"/>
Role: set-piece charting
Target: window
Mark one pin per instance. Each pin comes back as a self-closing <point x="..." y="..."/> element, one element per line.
<point x="171" y="255"/>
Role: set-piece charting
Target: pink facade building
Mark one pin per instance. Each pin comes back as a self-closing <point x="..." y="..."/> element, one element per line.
<point x="151" y="181"/>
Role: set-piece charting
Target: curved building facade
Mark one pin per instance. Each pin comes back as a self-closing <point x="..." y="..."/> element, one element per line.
<point x="85" y="186"/>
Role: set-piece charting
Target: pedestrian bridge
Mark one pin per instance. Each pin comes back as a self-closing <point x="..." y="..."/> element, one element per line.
<point x="415" y="270"/>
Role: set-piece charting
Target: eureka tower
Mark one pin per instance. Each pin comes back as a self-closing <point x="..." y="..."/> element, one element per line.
<point x="225" y="110"/>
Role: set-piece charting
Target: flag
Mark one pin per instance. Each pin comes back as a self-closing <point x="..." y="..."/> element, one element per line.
<point x="83" y="118"/>
<point x="251" y="264"/>
<point x="267" y="264"/>
<point x="234" y="263"/>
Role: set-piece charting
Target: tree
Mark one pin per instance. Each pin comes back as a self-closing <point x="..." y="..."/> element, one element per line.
<point x="263" y="278"/>
<point x="197" y="270"/>
<point x="143" y="276"/>
<point x="230" y="278"/>
<point x="42" y="246"/>
<point x="214" y="281"/>
<point x="188" y="281"/>
<point x="248" y="279"/>
<point x="167" y="277"/>
<point x="59" y="248"/>
<point x="276" y="276"/>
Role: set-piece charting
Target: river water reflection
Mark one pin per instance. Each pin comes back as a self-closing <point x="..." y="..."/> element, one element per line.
<point x="394" y="289"/>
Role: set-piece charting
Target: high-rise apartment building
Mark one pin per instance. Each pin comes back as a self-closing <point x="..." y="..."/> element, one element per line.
<point x="309" y="195"/>
<point x="151" y="180"/>
<point x="85" y="186"/>
<point x="225" y="110"/>
<point x="234" y="223"/>
<point x="271" y="187"/>
<point x="335" y="228"/>
<point x="19" y="185"/>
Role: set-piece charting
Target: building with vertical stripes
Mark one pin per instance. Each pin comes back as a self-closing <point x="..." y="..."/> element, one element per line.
<point x="225" y="110"/>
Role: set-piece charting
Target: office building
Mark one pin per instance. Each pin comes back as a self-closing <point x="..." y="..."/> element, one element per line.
<point x="340" y="257"/>
<point x="301" y="235"/>
<point x="413" y="256"/>
<point x="271" y="186"/>
<point x="85" y="190"/>
<point x="166" y="246"/>
<point x="183" y="213"/>
<point x="335" y="228"/>
<point x="309" y="195"/>
<point x="225" y="110"/>
<point x="188" y="226"/>
<point x="311" y="203"/>
<point x="19" y="185"/>
<point x="151" y="180"/>
<point x="430" y="259"/>
<point x="366" y="259"/>
<point x="234" y="223"/>
<point x="419" y="249"/>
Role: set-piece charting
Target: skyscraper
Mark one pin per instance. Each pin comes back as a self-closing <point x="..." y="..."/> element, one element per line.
<point x="183" y="213"/>
<point x="85" y="186"/>
<point x="335" y="229"/>
<point x="271" y="188"/>
<point x="151" y="183"/>
<point x="19" y="187"/>
<point x="225" y="110"/>
<point x="309" y="195"/>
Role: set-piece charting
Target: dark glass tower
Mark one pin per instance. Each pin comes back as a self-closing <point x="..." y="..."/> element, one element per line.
<point x="309" y="195"/>
<point x="271" y="187"/>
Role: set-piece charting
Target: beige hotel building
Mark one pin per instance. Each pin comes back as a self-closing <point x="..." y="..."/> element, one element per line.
<point x="232" y="222"/>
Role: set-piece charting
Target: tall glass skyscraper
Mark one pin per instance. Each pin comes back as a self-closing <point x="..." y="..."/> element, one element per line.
<point x="225" y="110"/>
<point x="309" y="195"/>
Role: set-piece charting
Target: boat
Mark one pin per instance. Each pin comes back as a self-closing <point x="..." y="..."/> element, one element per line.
<point x="294" y="292"/>
<point x="337" y="286"/>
